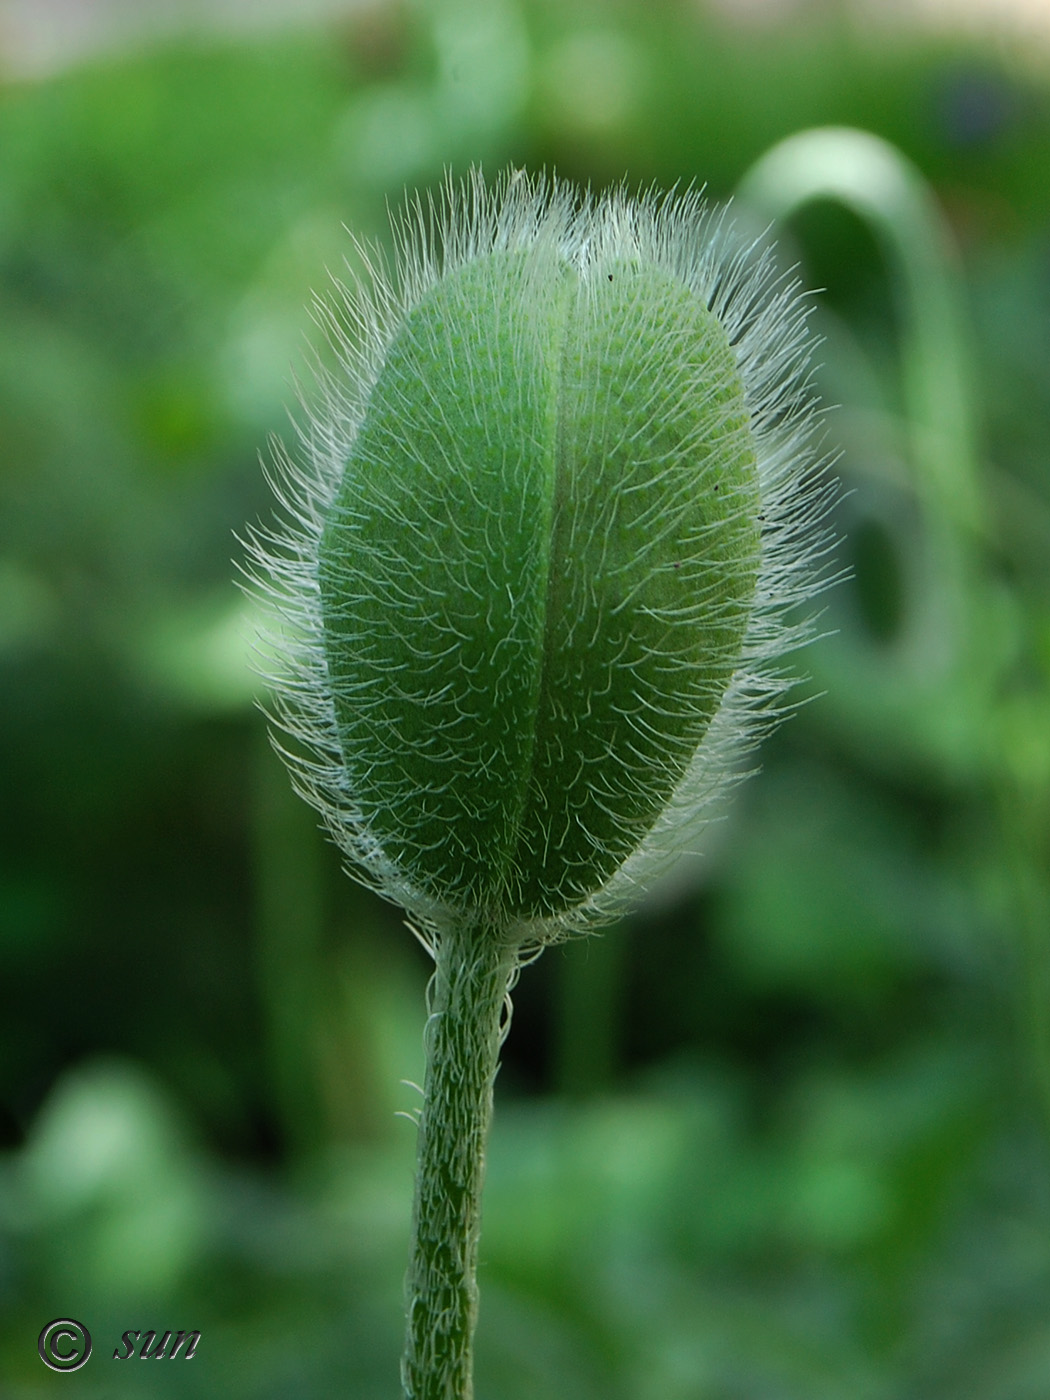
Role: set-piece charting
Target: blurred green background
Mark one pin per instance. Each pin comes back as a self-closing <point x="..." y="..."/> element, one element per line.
<point x="784" y="1134"/>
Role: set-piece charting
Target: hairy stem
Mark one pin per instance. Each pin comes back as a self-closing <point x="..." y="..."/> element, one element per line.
<point x="473" y="975"/>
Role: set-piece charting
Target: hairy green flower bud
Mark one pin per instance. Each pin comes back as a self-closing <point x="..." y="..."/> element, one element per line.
<point x="556" y="504"/>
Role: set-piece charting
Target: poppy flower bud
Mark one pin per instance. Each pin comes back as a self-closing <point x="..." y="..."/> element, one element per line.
<point x="556" y="506"/>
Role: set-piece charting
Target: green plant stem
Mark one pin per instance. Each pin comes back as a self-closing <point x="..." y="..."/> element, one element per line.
<point x="873" y="178"/>
<point x="473" y="975"/>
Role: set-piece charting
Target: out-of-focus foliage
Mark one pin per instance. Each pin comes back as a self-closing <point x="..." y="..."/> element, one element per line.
<point x="786" y="1133"/>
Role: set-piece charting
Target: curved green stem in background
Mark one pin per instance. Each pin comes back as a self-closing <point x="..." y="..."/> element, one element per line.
<point x="473" y="976"/>
<point x="945" y="656"/>
<point x="880" y="185"/>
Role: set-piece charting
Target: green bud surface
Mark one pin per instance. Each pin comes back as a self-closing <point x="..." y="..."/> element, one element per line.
<point x="541" y="559"/>
<point x="537" y="573"/>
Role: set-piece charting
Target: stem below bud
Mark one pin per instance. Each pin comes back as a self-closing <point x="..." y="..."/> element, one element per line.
<point x="474" y="972"/>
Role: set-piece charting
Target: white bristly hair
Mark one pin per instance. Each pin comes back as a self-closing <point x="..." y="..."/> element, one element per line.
<point x="764" y="318"/>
